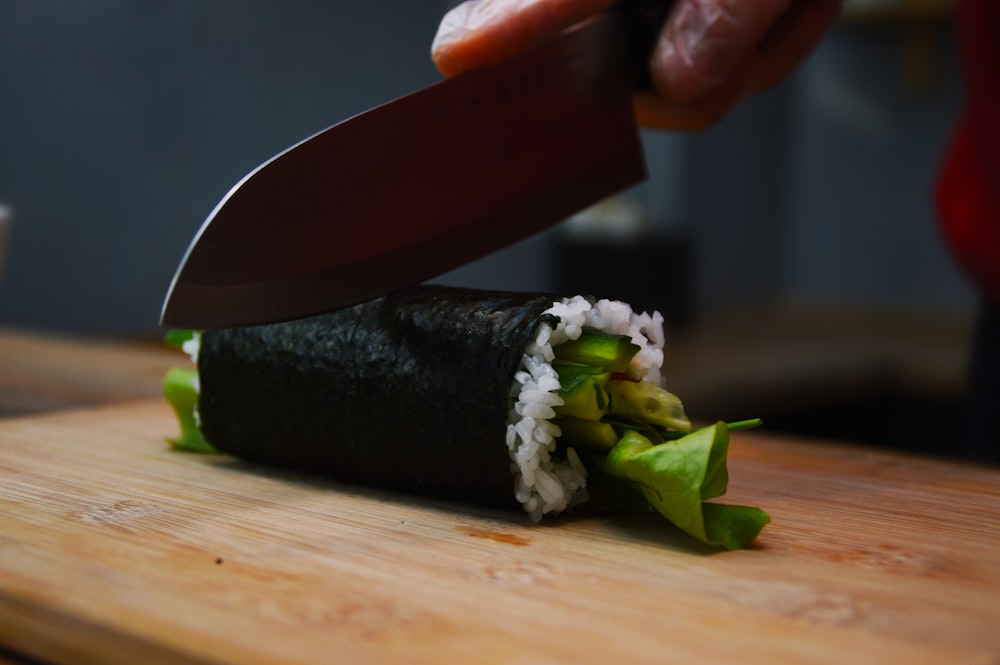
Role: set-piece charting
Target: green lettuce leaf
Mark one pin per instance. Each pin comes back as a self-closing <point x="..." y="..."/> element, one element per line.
<point x="677" y="476"/>
<point x="176" y="338"/>
<point x="180" y="391"/>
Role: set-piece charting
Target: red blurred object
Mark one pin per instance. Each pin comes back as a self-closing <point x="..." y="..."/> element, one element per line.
<point x="968" y="192"/>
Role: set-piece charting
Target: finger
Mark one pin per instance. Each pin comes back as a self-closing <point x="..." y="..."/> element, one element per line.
<point x="653" y="112"/>
<point x="705" y="43"/>
<point x="484" y="32"/>
<point x="795" y="34"/>
<point x="793" y="38"/>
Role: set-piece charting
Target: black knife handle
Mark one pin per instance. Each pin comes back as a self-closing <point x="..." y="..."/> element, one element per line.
<point x="643" y="21"/>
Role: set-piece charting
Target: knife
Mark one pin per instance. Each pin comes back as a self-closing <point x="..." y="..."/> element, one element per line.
<point x="426" y="183"/>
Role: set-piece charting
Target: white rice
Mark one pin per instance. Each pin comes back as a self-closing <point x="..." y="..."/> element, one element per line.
<point x="545" y="485"/>
<point x="192" y="347"/>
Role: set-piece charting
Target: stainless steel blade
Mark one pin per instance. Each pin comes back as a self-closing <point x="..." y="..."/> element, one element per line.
<point x="418" y="186"/>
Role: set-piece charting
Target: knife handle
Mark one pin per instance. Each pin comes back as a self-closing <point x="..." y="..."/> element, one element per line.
<point x="643" y="21"/>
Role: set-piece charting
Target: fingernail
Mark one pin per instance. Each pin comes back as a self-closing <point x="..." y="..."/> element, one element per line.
<point x="697" y="44"/>
<point x="454" y="24"/>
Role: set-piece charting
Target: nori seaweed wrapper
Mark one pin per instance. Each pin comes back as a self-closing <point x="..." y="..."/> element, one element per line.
<point x="410" y="391"/>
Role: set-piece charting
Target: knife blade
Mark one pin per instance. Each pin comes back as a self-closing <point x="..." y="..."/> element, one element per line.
<point x="421" y="185"/>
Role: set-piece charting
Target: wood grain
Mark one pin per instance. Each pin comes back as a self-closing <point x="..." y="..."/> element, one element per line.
<point x="115" y="549"/>
<point x="47" y="372"/>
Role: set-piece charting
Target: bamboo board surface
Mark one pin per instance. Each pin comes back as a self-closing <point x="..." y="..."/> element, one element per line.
<point x="115" y="549"/>
<point x="47" y="372"/>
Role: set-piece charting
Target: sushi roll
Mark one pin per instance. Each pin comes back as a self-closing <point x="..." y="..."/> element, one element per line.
<point x="529" y="401"/>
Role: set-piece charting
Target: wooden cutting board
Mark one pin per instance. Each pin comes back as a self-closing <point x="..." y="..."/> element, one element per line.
<point x="115" y="549"/>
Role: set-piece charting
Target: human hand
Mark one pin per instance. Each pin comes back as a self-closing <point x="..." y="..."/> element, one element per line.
<point x="710" y="54"/>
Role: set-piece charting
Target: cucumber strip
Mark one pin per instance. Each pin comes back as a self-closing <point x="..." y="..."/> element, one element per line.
<point x="588" y="434"/>
<point x="598" y="349"/>
<point x="732" y="427"/>
<point x="588" y="400"/>
<point x="647" y="403"/>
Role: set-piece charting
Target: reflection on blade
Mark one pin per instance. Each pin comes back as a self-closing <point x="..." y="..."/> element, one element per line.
<point x="416" y="187"/>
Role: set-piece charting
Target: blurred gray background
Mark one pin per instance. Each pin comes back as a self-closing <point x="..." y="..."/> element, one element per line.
<point x="793" y="248"/>
<point x="122" y="123"/>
